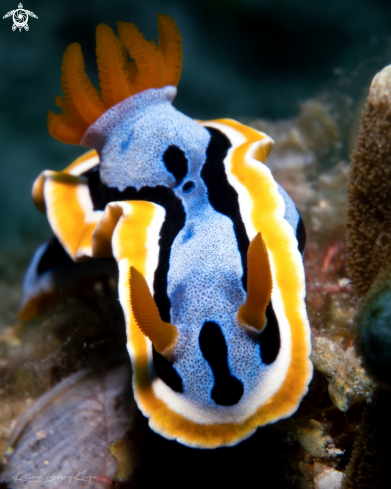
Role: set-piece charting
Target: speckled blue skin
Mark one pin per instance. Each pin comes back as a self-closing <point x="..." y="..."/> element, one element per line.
<point x="132" y="136"/>
<point x="205" y="268"/>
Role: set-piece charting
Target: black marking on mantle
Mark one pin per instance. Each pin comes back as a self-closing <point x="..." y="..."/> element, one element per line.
<point x="175" y="161"/>
<point x="101" y="195"/>
<point x="227" y="390"/>
<point x="301" y="235"/>
<point x="166" y="372"/>
<point x="269" y="340"/>
<point x="222" y="196"/>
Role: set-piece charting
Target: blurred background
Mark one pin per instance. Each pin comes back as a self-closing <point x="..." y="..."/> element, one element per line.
<point x="243" y="59"/>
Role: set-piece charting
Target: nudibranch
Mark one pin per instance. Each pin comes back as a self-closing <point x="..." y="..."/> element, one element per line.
<point x="208" y="246"/>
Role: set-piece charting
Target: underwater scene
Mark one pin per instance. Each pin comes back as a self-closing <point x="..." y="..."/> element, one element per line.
<point x="195" y="250"/>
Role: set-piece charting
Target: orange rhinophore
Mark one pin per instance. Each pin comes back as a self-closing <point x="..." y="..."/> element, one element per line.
<point x="259" y="285"/>
<point x="146" y="314"/>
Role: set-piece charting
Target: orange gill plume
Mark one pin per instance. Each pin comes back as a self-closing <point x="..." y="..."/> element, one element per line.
<point x="146" y="314"/>
<point x="150" y="66"/>
<point x="259" y="285"/>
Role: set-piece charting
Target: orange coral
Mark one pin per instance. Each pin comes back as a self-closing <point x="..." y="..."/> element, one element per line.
<point x="151" y="66"/>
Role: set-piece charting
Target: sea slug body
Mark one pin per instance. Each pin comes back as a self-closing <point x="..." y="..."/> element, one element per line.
<point x="208" y="246"/>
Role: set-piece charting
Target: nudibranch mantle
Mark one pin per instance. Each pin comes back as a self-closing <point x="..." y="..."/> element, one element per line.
<point x="138" y="130"/>
<point x="209" y="252"/>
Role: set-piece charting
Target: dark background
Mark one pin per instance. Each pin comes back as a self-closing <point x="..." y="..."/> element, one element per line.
<point x="242" y="58"/>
